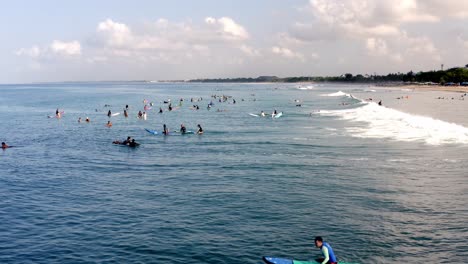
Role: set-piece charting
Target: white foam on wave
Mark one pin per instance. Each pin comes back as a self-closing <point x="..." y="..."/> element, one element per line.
<point x="383" y="122"/>
<point x="308" y="87"/>
<point x="339" y="93"/>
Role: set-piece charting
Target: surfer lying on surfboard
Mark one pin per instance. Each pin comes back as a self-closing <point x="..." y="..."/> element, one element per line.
<point x="128" y="142"/>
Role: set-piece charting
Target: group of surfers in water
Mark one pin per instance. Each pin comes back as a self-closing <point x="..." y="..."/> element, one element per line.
<point x="182" y="130"/>
<point x="132" y="143"/>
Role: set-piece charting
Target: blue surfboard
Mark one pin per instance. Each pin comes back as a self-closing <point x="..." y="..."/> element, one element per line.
<point x="154" y="132"/>
<point x="275" y="260"/>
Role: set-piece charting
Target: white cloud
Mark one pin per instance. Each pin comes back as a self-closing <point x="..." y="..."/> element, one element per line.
<point x="57" y="49"/>
<point x="228" y="28"/>
<point x="249" y="51"/>
<point x="287" y="53"/>
<point x="116" y="34"/>
<point x="66" y="48"/>
<point x="32" y="52"/>
<point x="376" y="46"/>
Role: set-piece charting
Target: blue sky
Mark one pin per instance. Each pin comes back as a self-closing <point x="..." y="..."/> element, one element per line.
<point x="157" y="40"/>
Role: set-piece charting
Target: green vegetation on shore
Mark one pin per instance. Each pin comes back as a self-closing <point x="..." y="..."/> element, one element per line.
<point x="457" y="75"/>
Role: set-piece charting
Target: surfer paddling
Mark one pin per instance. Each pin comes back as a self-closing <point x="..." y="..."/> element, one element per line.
<point x="327" y="251"/>
<point x="4" y="145"/>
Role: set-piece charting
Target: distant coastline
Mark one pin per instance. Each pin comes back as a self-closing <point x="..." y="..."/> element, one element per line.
<point x="457" y="76"/>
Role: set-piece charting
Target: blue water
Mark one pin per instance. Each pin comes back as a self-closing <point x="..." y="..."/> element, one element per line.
<point x="379" y="189"/>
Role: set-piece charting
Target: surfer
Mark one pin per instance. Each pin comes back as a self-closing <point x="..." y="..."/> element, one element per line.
<point x="200" y="129"/>
<point x="170" y="107"/>
<point x="57" y="113"/>
<point x="327" y="251"/>
<point x="165" y="130"/>
<point x="140" y="114"/>
<point x="262" y="114"/>
<point x="126" y="107"/>
<point x="4" y="145"/>
<point x="109" y="114"/>
<point x="125" y="113"/>
<point x="380" y="102"/>
<point x="109" y="124"/>
<point x="160" y="110"/>
<point x="183" y="129"/>
<point x="127" y="141"/>
<point x="79" y="119"/>
<point x="133" y="144"/>
<point x="87" y="119"/>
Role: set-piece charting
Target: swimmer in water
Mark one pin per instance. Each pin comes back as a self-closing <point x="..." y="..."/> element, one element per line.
<point x="109" y="124"/>
<point x="165" y="130"/>
<point x="4" y="145"/>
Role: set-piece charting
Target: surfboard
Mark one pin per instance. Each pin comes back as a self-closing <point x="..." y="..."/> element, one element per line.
<point x="115" y="114"/>
<point x="275" y="260"/>
<point x="253" y="114"/>
<point x="186" y="132"/>
<point x="278" y="115"/>
<point x="154" y="132"/>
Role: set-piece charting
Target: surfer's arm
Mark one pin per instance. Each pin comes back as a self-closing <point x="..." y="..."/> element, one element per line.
<point x="325" y="255"/>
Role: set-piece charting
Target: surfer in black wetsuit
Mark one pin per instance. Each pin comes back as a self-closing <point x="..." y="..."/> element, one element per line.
<point x="127" y="141"/>
<point x="109" y="113"/>
<point x="165" y="130"/>
<point x="133" y="144"/>
<point x="380" y="102"/>
<point x="183" y="129"/>
<point x="160" y="110"/>
<point x="200" y="130"/>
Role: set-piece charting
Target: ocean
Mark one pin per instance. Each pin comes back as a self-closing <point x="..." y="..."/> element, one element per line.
<point x="381" y="184"/>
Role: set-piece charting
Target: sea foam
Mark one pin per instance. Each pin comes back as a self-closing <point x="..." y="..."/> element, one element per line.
<point x="383" y="122"/>
<point x="339" y="93"/>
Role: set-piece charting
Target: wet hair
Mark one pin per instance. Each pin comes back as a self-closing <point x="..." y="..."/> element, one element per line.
<point x="3" y="143"/>
<point x="318" y="239"/>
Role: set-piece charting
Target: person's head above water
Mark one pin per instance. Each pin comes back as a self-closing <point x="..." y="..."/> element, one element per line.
<point x="318" y="241"/>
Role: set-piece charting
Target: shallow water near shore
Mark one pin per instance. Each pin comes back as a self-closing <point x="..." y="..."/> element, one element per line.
<point x="380" y="184"/>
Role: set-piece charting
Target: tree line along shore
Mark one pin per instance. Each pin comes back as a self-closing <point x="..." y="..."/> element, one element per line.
<point x="457" y="76"/>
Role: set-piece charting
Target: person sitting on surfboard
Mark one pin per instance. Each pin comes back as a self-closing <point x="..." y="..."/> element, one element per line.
<point x="109" y="124"/>
<point x="327" y="251"/>
<point x="183" y="129"/>
<point x="200" y="130"/>
<point x="165" y="130"/>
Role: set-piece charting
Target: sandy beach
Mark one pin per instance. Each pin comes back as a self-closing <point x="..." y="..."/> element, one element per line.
<point x="457" y="89"/>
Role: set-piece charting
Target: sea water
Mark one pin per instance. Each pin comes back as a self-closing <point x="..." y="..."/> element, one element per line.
<point x="381" y="184"/>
